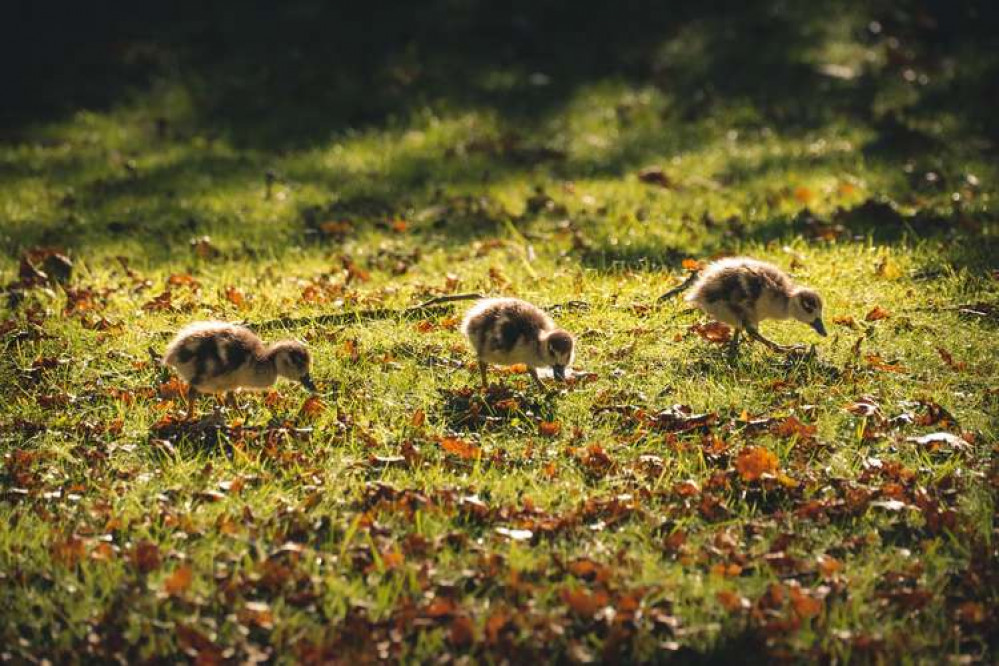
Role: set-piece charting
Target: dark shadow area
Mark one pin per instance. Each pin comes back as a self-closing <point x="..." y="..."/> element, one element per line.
<point x="274" y="78"/>
<point x="280" y="75"/>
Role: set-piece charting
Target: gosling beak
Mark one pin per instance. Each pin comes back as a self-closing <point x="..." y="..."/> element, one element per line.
<point x="559" y="372"/>
<point x="819" y="327"/>
<point x="308" y="383"/>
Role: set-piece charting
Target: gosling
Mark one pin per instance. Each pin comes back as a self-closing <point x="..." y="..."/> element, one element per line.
<point x="742" y="292"/>
<point x="507" y="331"/>
<point x="213" y="356"/>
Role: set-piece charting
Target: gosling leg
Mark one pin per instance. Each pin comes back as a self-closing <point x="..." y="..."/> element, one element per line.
<point x="482" y="373"/>
<point x="773" y="346"/>
<point x="733" y="344"/>
<point x="537" y="380"/>
<point x="192" y="396"/>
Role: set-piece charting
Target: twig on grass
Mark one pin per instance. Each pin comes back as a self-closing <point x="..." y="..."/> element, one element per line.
<point x="446" y="299"/>
<point x="438" y="304"/>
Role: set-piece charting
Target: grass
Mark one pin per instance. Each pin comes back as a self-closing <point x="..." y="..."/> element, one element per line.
<point x="409" y="517"/>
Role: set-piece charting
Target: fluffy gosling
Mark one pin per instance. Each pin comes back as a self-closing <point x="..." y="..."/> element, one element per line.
<point x="507" y="331"/>
<point x="213" y="356"/>
<point x="742" y="292"/>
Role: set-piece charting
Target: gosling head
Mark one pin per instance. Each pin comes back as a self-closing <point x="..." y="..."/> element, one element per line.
<point x="557" y="351"/>
<point x="806" y="307"/>
<point x="292" y="360"/>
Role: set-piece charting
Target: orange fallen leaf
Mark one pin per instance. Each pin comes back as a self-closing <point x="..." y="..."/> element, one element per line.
<point x="675" y="541"/>
<point x="102" y="552"/>
<point x="875" y="361"/>
<point x="68" y="551"/>
<point x="722" y="569"/>
<point x="805" y="606"/>
<point x="312" y="407"/>
<point x="828" y="565"/>
<point x="755" y="461"/>
<point x="392" y="559"/>
<point x="178" y="582"/>
<point x="461" y="448"/>
<point x="876" y="314"/>
<point x="441" y="607"/>
<point x="971" y="612"/>
<point x="688" y="488"/>
<point x="462" y="632"/>
<point x="732" y="601"/>
<point x="183" y="280"/>
<point x="495" y="625"/>
<point x="172" y="389"/>
<point x="549" y="428"/>
<point x="351" y="350"/>
<point x="235" y="296"/>
<point x="714" y="332"/>
<point x="583" y="603"/>
<point x="791" y="426"/>
<point x="418" y="418"/>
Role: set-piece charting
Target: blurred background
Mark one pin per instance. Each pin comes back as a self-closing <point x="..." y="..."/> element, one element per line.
<point x="544" y="90"/>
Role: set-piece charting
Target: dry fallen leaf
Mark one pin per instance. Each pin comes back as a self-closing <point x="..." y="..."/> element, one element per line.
<point x="877" y="313"/>
<point x="583" y="603"/>
<point x="350" y="349"/>
<point x="878" y="363"/>
<point x="755" y="461"/>
<point x="715" y="332"/>
<point x="495" y="625"/>
<point x="146" y="556"/>
<point x="805" y="606"/>
<point x="204" y="249"/>
<point x="312" y="407"/>
<point x="549" y="428"/>
<point x="828" y="565"/>
<point x="183" y="280"/>
<point x="791" y="426"/>
<point x="732" y="601"/>
<point x="654" y="175"/>
<point x="949" y="360"/>
<point x="462" y="632"/>
<point x="461" y="448"/>
<point x="178" y="582"/>
<point x="68" y="551"/>
<point x="235" y="296"/>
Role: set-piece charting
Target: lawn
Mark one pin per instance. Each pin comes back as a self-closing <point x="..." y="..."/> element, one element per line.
<point x="317" y="171"/>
